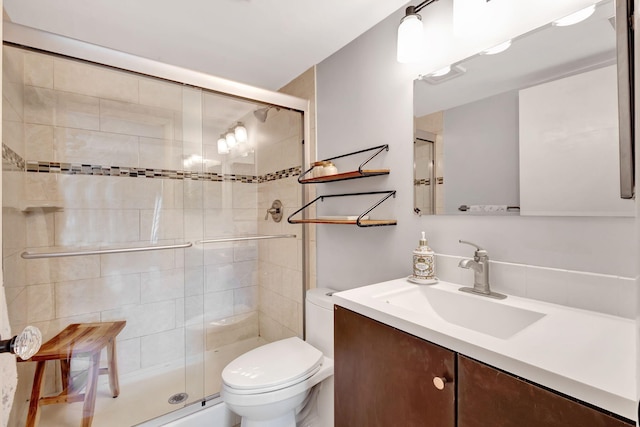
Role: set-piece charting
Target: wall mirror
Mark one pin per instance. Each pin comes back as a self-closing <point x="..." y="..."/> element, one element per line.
<point x="532" y="130"/>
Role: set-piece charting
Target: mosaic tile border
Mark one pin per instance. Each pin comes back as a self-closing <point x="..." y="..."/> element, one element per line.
<point x="16" y="160"/>
<point x="12" y="158"/>
<point x="418" y="182"/>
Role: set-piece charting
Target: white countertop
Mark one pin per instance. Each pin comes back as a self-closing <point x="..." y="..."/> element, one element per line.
<point x="587" y="355"/>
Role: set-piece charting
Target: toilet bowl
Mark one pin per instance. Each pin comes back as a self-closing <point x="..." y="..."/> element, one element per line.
<point x="278" y="383"/>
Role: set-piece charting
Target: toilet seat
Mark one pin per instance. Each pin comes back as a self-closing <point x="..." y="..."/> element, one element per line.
<point x="272" y="367"/>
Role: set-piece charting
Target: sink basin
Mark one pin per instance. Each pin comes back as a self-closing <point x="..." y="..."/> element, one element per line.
<point x="477" y="313"/>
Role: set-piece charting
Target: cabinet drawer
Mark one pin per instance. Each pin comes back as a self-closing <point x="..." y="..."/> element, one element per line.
<point x="489" y="397"/>
<point x="385" y="377"/>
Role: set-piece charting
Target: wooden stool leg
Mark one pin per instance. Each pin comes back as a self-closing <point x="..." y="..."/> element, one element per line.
<point x="34" y="403"/>
<point x="112" y="359"/>
<point x="90" y="392"/>
<point x="65" y="369"/>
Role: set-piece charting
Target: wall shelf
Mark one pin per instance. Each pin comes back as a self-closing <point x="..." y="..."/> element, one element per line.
<point x="345" y="176"/>
<point x="360" y="221"/>
<point x="359" y="173"/>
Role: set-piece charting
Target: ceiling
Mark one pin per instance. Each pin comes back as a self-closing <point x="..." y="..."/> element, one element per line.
<point x="265" y="43"/>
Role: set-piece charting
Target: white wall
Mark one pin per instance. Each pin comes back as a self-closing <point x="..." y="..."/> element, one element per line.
<point x="480" y="142"/>
<point x="364" y="99"/>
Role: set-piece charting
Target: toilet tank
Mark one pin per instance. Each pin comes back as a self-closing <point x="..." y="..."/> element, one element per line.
<point x="319" y="320"/>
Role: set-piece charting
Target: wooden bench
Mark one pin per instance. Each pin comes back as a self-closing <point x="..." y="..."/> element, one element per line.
<point x="78" y="339"/>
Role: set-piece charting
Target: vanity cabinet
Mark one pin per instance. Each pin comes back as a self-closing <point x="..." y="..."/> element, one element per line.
<point x="386" y="377"/>
<point x="489" y="397"/>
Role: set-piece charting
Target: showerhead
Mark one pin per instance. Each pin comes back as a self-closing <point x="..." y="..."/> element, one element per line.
<point x="261" y="113"/>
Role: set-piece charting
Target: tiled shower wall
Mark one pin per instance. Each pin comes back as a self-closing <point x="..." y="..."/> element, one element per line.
<point x="281" y="269"/>
<point x="106" y="164"/>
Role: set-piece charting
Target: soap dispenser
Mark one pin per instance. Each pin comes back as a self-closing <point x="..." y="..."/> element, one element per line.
<point x="424" y="269"/>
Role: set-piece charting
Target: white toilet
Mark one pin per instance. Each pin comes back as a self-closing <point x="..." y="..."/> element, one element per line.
<point x="288" y="381"/>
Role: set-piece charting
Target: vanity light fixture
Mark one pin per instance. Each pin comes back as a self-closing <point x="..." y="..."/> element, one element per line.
<point x="411" y="49"/>
<point x="575" y="17"/>
<point x="497" y="48"/>
<point x="240" y="132"/>
<point x="231" y="139"/>
<point x="223" y="148"/>
<point x="440" y="76"/>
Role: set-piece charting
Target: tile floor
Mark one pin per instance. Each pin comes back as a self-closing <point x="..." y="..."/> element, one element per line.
<point x="144" y="396"/>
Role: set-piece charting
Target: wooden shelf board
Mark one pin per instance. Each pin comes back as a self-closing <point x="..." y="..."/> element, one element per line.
<point x="365" y="222"/>
<point x="345" y="175"/>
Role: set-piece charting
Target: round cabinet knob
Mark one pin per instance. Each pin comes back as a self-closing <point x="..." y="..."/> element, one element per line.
<point x="439" y="382"/>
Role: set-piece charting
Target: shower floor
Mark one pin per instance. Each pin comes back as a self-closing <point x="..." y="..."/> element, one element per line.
<point x="145" y="396"/>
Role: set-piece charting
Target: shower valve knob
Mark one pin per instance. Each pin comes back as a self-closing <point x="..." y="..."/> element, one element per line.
<point x="275" y="211"/>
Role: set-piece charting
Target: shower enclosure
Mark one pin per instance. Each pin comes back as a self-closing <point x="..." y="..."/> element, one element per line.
<point x="138" y="191"/>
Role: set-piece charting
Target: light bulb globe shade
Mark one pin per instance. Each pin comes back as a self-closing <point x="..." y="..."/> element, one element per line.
<point x="231" y="139"/>
<point x="222" y="146"/>
<point x="576" y="17"/>
<point x="411" y="43"/>
<point x="441" y="72"/>
<point x="497" y="48"/>
<point x="240" y="132"/>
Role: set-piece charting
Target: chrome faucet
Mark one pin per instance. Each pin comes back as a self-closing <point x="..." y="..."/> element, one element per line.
<point x="480" y="266"/>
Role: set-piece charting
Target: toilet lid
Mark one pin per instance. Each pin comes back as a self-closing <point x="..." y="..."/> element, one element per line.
<point x="271" y="365"/>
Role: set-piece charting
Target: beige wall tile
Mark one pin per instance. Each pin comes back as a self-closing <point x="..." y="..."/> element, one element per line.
<point x="13" y="136"/>
<point x="96" y="295"/>
<point x="38" y="70"/>
<point x="128" y="355"/>
<point x="245" y="196"/>
<point x="162" y="285"/>
<point x="95" y="148"/>
<point x="38" y="142"/>
<point x="161" y="224"/>
<point x="245" y="300"/>
<point x="155" y="93"/>
<point x="17" y="305"/>
<point x="93" y="80"/>
<point x="193" y="310"/>
<point x="41" y="303"/>
<point x="138" y="120"/>
<point x="235" y="329"/>
<point x="40" y="271"/>
<point x="143" y="319"/>
<point x="230" y="276"/>
<point x="160" y="154"/>
<point x="13" y="79"/>
<point x="217" y="253"/>
<point x="138" y="262"/>
<point x="80" y="227"/>
<point x="39" y="105"/>
<point x="39" y="229"/>
<point x="218" y="305"/>
<point x="162" y="347"/>
<point x="76" y="111"/>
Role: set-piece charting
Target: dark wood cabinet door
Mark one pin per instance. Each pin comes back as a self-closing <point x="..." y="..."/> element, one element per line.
<point x="384" y="377"/>
<point x="489" y="397"/>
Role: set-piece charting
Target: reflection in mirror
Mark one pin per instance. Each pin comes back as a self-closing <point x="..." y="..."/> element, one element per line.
<point x="531" y="130"/>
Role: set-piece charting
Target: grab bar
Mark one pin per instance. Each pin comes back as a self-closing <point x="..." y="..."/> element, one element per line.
<point x="239" y="239"/>
<point x="31" y="255"/>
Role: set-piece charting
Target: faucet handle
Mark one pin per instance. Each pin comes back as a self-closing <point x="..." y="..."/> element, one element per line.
<point x="479" y="251"/>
